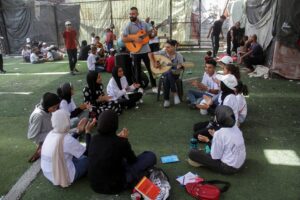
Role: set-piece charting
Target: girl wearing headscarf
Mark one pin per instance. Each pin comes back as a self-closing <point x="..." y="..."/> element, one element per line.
<point x="113" y="166"/>
<point x="93" y="93"/>
<point x="40" y="121"/>
<point x="228" y="152"/>
<point x="119" y="89"/>
<point x="62" y="157"/>
<point x="65" y="92"/>
<point x="227" y="97"/>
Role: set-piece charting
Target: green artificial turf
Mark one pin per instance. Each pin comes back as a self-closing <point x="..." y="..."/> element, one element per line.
<point x="273" y="122"/>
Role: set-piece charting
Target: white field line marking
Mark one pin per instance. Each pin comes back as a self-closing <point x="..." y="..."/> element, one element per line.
<point x="22" y="93"/>
<point x="41" y="73"/>
<point x="23" y="183"/>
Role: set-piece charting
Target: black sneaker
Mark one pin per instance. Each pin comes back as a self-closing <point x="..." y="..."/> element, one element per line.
<point x="3" y="72"/>
<point x="72" y="73"/>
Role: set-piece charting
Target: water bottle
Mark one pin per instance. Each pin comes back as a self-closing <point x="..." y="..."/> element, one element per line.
<point x="193" y="143"/>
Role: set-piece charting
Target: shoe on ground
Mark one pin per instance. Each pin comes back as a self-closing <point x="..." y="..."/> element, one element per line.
<point x="72" y="73"/>
<point x="193" y="163"/>
<point x="3" y="72"/>
<point x="141" y="101"/>
<point x="155" y="90"/>
<point x="176" y="100"/>
<point x="166" y="104"/>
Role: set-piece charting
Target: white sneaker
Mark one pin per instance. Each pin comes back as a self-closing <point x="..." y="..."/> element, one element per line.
<point x="155" y="90"/>
<point x="141" y="101"/>
<point x="176" y="99"/>
<point x="141" y="90"/>
<point x="166" y="103"/>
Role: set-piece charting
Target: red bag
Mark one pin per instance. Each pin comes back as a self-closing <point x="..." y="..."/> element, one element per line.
<point x="205" y="190"/>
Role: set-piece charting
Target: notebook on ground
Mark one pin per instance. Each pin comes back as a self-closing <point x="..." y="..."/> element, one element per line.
<point x="169" y="159"/>
<point x="148" y="189"/>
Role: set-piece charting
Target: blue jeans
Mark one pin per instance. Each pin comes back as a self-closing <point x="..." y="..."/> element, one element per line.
<point x="169" y="84"/>
<point x="194" y="95"/>
<point x="81" y="166"/>
<point x="136" y="171"/>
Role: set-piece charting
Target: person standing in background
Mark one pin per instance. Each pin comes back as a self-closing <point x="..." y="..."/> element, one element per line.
<point x="2" y="71"/>
<point x="233" y="36"/>
<point x="71" y="42"/>
<point x="214" y="33"/>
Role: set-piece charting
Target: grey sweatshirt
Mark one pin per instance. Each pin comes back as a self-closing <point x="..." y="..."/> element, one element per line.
<point x="39" y="125"/>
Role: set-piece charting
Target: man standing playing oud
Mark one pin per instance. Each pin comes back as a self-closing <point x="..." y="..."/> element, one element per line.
<point x="71" y="45"/>
<point x="134" y="26"/>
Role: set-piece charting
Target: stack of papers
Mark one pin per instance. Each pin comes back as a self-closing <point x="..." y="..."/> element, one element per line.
<point x="189" y="178"/>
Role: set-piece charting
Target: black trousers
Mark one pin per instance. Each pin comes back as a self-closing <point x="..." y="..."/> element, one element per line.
<point x="234" y="47"/>
<point x="215" y="44"/>
<point x="72" y="55"/>
<point x="250" y="61"/>
<point x="202" y="128"/>
<point x="1" y="63"/>
<point x="131" y="102"/>
<point x="205" y="159"/>
<point x="137" y="59"/>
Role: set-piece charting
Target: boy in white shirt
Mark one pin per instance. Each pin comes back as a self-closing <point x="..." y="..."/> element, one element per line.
<point x="91" y="61"/>
<point x="228" y="152"/>
<point x="208" y="86"/>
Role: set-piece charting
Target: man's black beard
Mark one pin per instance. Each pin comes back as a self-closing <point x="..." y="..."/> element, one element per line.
<point x="133" y="19"/>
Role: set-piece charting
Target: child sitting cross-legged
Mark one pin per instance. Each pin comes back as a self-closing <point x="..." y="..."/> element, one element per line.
<point x="207" y="86"/>
<point x="228" y="152"/>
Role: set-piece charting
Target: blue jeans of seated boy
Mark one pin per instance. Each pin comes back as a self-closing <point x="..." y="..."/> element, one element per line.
<point x="81" y="166"/>
<point x="194" y="95"/>
<point x="169" y="84"/>
<point x="136" y="171"/>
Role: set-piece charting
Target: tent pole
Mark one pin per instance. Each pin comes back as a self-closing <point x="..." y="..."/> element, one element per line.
<point x="199" y="24"/>
<point x="56" y="25"/>
<point x="170" y="21"/>
<point x="111" y="13"/>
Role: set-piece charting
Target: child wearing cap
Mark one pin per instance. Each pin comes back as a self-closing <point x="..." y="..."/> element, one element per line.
<point x="228" y="151"/>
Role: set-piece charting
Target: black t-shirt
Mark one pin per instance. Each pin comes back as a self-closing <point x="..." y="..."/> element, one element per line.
<point x="217" y="28"/>
<point x="84" y="52"/>
<point x="235" y="32"/>
<point x="107" y="172"/>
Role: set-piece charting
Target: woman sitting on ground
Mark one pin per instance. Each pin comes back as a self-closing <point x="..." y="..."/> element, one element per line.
<point x="65" y="92"/>
<point x="228" y="152"/>
<point x="119" y="89"/>
<point x="40" y="121"/>
<point x="63" y="158"/>
<point x="113" y="166"/>
<point x="93" y="93"/>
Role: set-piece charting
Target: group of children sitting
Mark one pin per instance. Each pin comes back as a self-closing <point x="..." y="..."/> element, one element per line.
<point x="56" y="124"/>
<point x="224" y="96"/>
<point x="39" y="52"/>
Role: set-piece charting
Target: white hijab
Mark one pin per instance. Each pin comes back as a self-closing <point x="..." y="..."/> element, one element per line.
<point x="61" y="125"/>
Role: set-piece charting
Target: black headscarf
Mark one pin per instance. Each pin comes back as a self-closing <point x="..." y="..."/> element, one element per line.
<point x="91" y="80"/>
<point x="116" y="77"/>
<point x="225" y="92"/>
<point x="65" y="92"/>
<point x="107" y="123"/>
<point x="225" y="116"/>
<point x="49" y="100"/>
